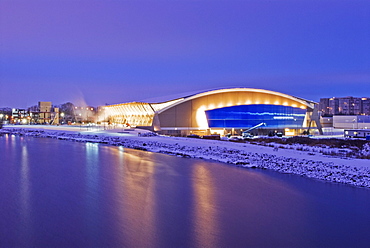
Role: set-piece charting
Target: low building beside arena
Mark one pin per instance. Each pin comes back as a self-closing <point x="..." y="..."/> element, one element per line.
<point x="224" y="111"/>
<point x="351" y="121"/>
<point x="357" y="133"/>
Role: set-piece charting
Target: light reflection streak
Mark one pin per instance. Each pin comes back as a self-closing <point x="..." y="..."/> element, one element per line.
<point x="92" y="153"/>
<point x="135" y="197"/>
<point x="119" y="177"/>
<point x="25" y="210"/>
<point x="8" y="142"/>
<point x="92" y="185"/>
<point x="13" y="142"/>
<point x="149" y="202"/>
<point x="206" y="226"/>
<point x="92" y="169"/>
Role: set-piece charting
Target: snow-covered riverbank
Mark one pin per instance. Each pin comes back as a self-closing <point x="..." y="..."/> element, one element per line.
<point x="309" y="164"/>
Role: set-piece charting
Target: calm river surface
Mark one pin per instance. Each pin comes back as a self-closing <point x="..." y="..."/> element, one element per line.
<point x="67" y="194"/>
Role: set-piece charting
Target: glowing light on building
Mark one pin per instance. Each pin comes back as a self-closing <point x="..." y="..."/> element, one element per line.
<point x="211" y="106"/>
<point x="289" y="132"/>
<point x="283" y="117"/>
<point x="201" y="118"/>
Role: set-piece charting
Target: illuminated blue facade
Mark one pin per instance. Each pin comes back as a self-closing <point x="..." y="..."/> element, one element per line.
<point x="245" y="116"/>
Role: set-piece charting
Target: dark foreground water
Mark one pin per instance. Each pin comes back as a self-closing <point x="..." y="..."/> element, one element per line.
<point x="67" y="194"/>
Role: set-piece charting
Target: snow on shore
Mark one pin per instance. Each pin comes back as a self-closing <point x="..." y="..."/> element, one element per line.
<point x="313" y="165"/>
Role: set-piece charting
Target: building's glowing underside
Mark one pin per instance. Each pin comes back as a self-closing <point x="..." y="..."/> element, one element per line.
<point x="235" y="107"/>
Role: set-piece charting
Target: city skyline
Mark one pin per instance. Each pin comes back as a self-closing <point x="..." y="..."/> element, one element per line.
<point x="98" y="52"/>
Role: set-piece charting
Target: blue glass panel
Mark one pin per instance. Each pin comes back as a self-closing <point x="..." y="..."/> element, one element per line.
<point x="245" y="116"/>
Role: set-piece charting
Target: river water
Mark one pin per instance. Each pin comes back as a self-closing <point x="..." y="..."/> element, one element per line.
<point x="68" y="194"/>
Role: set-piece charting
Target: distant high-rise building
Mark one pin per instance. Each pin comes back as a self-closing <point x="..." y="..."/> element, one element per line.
<point x="355" y="106"/>
<point x="333" y="106"/>
<point x="44" y="112"/>
<point x="365" y="106"/>
<point x="349" y="105"/>
<point x="344" y="106"/>
<point x="324" y="106"/>
<point x="329" y="106"/>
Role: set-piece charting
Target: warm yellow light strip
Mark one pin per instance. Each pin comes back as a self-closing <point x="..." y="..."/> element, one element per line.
<point x="307" y="103"/>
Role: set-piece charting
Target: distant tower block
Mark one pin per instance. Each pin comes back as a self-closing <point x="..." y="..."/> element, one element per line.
<point x="44" y="112"/>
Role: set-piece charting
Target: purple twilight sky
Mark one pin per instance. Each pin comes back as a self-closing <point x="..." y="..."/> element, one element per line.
<point x="114" y="51"/>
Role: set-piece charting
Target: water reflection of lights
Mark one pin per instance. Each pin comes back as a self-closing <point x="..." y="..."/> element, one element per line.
<point x="92" y="184"/>
<point x="92" y="170"/>
<point x="135" y="196"/>
<point x="119" y="187"/>
<point x="206" y="224"/>
<point x="92" y="145"/>
<point x="25" y="188"/>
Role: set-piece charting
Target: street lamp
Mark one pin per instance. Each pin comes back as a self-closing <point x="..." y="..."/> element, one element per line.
<point x="353" y="125"/>
<point x="87" y="115"/>
<point x="62" y="115"/>
<point x="104" y="117"/>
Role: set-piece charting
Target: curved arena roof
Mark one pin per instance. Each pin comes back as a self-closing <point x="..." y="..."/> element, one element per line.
<point x="143" y="113"/>
<point x="160" y="107"/>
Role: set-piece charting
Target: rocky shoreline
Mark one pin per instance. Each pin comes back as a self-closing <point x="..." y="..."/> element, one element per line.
<point x="311" y="168"/>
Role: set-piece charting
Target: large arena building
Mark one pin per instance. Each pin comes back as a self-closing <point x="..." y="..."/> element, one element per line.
<point x="223" y="111"/>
